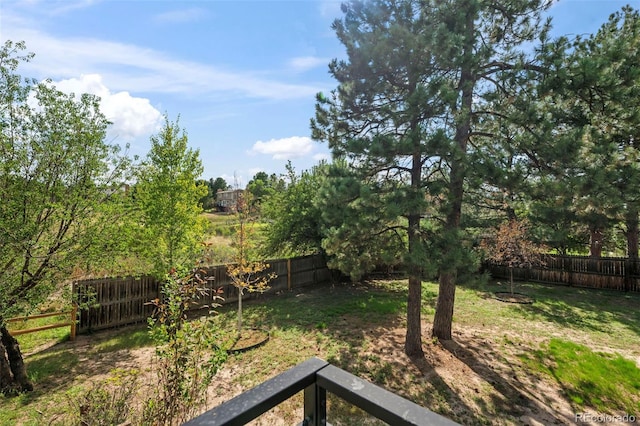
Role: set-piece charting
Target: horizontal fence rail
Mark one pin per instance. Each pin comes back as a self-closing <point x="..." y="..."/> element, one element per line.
<point x="72" y="323"/>
<point x="116" y="302"/>
<point x="316" y="377"/>
<point x="612" y="273"/>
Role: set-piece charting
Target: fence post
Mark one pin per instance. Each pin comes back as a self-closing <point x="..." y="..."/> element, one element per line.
<point x="74" y="317"/>
<point x="629" y="272"/>
<point x="568" y="267"/>
<point x="289" y="274"/>
<point x="315" y="269"/>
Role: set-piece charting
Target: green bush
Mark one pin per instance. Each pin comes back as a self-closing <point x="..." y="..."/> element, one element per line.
<point x="188" y="353"/>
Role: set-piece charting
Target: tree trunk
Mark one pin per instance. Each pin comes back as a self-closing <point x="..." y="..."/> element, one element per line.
<point x="239" y="311"/>
<point x="6" y="377"/>
<point x="448" y="272"/>
<point x="413" y="341"/>
<point x="595" y="242"/>
<point x="13" y="373"/>
<point x="444" y="308"/>
<point x="631" y="221"/>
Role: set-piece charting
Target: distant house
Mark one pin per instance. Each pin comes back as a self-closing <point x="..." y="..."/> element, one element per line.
<point x="122" y="188"/>
<point x="227" y="201"/>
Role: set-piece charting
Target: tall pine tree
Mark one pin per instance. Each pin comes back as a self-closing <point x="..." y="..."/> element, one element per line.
<point x="605" y="82"/>
<point x="411" y="105"/>
<point x="383" y="119"/>
<point x="486" y="68"/>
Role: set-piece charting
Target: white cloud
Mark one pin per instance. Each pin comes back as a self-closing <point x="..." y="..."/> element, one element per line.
<point x="284" y="149"/>
<point x="304" y="63"/>
<point x="131" y="116"/>
<point x="180" y="16"/>
<point x="134" y="68"/>
<point x="68" y="6"/>
<point x="56" y="7"/>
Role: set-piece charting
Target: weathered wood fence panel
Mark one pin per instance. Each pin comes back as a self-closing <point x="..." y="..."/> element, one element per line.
<point x="611" y="273"/>
<point x="114" y="301"/>
<point x="120" y="301"/>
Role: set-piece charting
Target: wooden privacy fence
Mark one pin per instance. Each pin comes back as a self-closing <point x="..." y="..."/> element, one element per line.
<point x="72" y="314"/>
<point x="613" y="273"/>
<point x="114" y="301"/>
<point x="118" y="301"/>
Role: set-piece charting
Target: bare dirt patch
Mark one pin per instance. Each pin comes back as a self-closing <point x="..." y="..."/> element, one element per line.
<point x="469" y="379"/>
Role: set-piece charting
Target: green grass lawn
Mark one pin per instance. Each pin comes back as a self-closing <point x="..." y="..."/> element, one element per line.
<point x="32" y="341"/>
<point x="576" y="340"/>
<point x="58" y="371"/>
<point x="608" y="382"/>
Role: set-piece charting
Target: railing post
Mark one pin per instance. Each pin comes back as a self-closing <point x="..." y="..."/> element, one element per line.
<point x="315" y="406"/>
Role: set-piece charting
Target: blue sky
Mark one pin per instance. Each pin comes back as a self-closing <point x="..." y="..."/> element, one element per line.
<point x="241" y="74"/>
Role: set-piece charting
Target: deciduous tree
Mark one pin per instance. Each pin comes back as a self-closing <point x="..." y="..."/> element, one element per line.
<point x="60" y="185"/>
<point x="168" y="195"/>
<point x="293" y="216"/>
<point x="246" y="273"/>
<point x="512" y="247"/>
<point x="263" y="186"/>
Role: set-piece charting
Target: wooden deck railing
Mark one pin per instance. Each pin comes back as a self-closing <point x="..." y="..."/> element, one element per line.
<point x="316" y="378"/>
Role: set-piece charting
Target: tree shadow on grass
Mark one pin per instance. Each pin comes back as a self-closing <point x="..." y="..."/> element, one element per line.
<point x="579" y="308"/>
<point x="587" y="309"/>
<point x="57" y="367"/>
<point x="365" y="326"/>
<point x="513" y="397"/>
<point x="445" y="400"/>
<point x="329" y="307"/>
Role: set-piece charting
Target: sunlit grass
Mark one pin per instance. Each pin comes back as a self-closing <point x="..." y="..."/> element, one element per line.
<point x="128" y="339"/>
<point x="32" y="341"/>
<point x="607" y="382"/>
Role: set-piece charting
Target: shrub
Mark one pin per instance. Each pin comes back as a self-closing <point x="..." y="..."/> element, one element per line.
<point x="188" y="353"/>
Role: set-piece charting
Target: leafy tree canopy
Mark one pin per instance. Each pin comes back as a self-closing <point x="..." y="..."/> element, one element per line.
<point x="262" y="186"/>
<point x="62" y="189"/>
<point x="294" y="216"/>
<point x="168" y="195"/>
